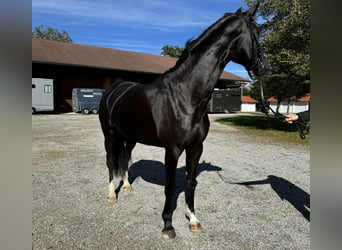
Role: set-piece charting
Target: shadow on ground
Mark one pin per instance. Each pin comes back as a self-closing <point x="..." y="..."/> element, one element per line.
<point x="286" y="190"/>
<point x="154" y="172"/>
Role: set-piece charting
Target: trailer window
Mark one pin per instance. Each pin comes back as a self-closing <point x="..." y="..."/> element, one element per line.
<point x="33" y="86"/>
<point x="47" y="89"/>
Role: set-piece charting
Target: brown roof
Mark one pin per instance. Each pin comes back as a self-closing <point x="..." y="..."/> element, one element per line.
<point x="247" y="98"/>
<point x="53" y="52"/>
<point x="305" y="98"/>
<point x="272" y="99"/>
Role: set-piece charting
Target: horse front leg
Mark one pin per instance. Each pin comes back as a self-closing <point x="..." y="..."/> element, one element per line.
<point x="171" y="160"/>
<point x="193" y="155"/>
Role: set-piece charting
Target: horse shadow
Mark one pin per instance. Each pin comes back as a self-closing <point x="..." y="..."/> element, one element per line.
<point x="286" y="190"/>
<point x="154" y="172"/>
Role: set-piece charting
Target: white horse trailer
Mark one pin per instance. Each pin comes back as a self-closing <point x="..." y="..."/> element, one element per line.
<point x="42" y="95"/>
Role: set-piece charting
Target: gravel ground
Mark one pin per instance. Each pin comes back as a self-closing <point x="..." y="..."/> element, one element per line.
<point x="70" y="180"/>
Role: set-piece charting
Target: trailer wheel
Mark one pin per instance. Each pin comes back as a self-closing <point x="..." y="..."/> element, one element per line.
<point x="86" y="111"/>
<point x="33" y="110"/>
<point x="94" y="111"/>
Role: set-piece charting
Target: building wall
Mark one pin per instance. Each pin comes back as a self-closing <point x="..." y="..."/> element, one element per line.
<point x="248" y="107"/>
<point x="297" y="107"/>
<point x="68" y="77"/>
<point x="294" y="107"/>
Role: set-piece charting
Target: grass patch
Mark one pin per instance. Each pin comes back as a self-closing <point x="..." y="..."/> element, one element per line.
<point x="265" y="127"/>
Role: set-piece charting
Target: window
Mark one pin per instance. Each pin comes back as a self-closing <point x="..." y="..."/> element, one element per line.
<point x="47" y="89"/>
<point x="33" y="86"/>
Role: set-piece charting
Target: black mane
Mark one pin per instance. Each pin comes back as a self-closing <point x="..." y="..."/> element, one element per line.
<point x="191" y="44"/>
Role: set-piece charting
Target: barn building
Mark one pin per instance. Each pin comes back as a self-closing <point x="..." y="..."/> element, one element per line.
<point x="248" y="104"/>
<point x="81" y="66"/>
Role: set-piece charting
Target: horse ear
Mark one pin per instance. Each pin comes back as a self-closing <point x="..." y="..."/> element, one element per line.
<point x="251" y="12"/>
<point x="239" y="11"/>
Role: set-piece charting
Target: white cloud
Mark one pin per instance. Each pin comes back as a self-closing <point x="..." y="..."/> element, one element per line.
<point x="129" y="45"/>
<point x="154" y="14"/>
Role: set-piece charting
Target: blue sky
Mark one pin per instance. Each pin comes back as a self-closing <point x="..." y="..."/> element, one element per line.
<point x="134" y="25"/>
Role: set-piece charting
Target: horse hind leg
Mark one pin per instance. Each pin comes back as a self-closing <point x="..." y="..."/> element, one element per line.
<point x="113" y="145"/>
<point x="118" y="160"/>
<point x="117" y="167"/>
<point x="111" y="198"/>
<point x="111" y="161"/>
<point x="126" y="185"/>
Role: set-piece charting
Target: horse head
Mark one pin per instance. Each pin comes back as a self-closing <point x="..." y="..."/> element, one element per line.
<point x="247" y="50"/>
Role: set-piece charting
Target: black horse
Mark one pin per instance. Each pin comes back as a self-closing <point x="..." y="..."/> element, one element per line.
<point x="171" y="111"/>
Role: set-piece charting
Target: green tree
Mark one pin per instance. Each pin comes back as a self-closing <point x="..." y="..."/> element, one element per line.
<point x="49" y="33"/>
<point x="172" y="51"/>
<point x="286" y="41"/>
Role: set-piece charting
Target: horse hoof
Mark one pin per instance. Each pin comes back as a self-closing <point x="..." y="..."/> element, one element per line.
<point x="169" y="234"/>
<point x="195" y="228"/>
<point x="127" y="188"/>
<point x="111" y="200"/>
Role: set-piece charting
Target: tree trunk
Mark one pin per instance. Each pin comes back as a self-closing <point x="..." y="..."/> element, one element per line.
<point x="288" y="106"/>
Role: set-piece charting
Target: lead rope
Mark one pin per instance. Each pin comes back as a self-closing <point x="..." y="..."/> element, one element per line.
<point x="302" y="127"/>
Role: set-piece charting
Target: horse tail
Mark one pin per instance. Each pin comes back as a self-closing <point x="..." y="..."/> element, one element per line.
<point x="123" y="161"/>
<point x="118" y="155"/>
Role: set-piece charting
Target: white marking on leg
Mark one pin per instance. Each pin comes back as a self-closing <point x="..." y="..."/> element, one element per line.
<point x="111" y="195"/>
<point x="126" y="185"/>
<point x="191" y="216"/>
<point x="194" y="224"/>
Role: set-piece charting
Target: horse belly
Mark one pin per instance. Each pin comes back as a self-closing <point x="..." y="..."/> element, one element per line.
<point x="134" y="121"/>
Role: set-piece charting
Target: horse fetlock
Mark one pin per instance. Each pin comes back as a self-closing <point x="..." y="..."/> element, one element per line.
<point x="169" y="233"/>
<point x="111" y="199"/>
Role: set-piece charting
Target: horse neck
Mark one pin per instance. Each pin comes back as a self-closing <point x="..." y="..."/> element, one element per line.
<point x="196" y="76"/>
